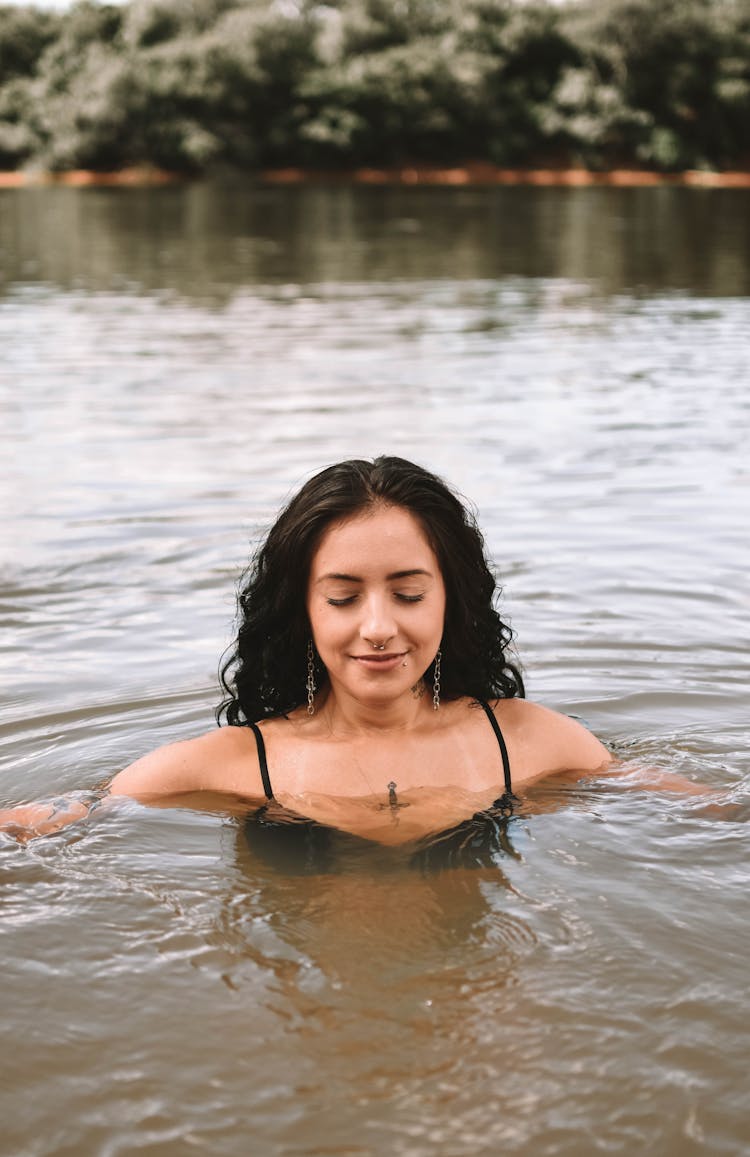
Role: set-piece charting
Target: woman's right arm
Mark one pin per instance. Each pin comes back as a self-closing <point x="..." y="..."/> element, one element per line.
<point x="224" y="760"/>
<point x="45" y="816"/>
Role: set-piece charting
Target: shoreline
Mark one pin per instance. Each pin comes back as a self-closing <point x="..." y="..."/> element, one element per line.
<point x="407" y="175"/>
<point x="485" y="174"/>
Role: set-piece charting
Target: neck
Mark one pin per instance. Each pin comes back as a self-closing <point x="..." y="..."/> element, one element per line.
<point x="349" y="716"/>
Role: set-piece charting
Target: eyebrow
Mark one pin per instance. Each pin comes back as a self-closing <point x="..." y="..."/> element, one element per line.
<point x="396" y="574"/>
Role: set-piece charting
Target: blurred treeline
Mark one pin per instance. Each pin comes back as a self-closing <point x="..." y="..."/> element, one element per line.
<point x="192" y="84"/>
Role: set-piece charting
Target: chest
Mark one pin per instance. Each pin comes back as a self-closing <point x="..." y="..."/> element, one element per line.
<point x="462" y="758"/>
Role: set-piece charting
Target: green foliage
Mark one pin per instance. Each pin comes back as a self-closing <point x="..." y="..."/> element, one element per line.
<point x="656" y="86"/>
<point x="185" y="84"/>
<point x="24" y="35"/>
<point x="18" y="142"/>
<point x="527" y="55"/>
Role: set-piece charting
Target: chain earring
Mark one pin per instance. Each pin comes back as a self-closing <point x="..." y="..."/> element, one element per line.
<point x="310" y="684"/>
<point x="436" y="682"/>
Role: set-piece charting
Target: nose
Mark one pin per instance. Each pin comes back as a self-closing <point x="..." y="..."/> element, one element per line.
<point x="377" y="626"/>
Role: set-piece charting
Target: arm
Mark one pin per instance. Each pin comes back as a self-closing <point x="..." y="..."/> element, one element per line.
<point x="553" y="744"/>
<point x="543" y="742"/>
<point x="223" y="761"/>
<point x="45" y="816"/>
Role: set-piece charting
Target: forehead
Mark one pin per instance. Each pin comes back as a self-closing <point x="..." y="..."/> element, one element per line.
<point x="386" y="537"/>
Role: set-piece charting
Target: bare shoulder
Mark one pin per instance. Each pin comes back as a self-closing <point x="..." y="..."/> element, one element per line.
<point x="543" y="741"/>
<point x="223" y="760"/>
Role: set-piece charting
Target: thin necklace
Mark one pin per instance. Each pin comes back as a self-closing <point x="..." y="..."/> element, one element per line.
<point x="393" y="800"/>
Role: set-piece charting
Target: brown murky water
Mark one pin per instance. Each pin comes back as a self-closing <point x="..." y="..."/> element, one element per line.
<point x="172" y="363"/>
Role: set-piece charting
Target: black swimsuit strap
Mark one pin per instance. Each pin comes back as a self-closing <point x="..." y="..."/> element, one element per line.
<point x="262" y="761"/>
<point x="501" y="741"/>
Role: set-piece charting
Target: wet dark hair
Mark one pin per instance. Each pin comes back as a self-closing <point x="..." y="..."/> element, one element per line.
<point x="265" y="669"/>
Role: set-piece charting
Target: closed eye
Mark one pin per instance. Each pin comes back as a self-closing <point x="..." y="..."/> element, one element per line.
<point x="349" y="599"/>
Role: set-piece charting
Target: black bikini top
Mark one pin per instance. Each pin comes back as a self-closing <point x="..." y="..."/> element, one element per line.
<point x="504" y="799"/>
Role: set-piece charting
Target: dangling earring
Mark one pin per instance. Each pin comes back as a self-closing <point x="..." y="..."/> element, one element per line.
<point x="310" y="684"/>
<point x="436" y="682"/>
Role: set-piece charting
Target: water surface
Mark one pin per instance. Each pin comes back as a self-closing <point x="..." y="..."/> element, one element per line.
<point x="174" y="362"/>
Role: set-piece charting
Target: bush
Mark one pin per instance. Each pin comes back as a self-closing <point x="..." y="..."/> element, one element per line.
<point x="185" y="84"/>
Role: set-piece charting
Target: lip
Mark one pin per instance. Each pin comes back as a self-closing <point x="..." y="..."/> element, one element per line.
<point x="380" y="662"/>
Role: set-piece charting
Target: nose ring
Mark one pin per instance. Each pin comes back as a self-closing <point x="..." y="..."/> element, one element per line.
<point x="378" y="646"/>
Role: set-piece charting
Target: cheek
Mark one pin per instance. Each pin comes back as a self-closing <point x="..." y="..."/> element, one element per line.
<point x="437" y="613"/>
<point x="427" y="627"/>
<point x="328" y="628"/>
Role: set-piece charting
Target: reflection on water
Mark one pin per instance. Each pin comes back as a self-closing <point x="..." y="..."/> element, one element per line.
<point x="173" y="363"/>
<point x="204" y="242"/>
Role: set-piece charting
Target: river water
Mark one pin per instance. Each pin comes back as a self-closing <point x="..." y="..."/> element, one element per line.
<point x="173" y="363"/>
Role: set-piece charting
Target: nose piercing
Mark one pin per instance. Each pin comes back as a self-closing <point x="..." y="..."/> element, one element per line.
<point x="378" y="646"/>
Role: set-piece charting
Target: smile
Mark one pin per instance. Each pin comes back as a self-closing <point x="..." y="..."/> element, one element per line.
<point x="380" y="662"/>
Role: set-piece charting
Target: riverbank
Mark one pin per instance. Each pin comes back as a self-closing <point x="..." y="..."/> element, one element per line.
<point x="468" y="175"/>
<point x="482" y="174"/>
<point x="137" y="177"/>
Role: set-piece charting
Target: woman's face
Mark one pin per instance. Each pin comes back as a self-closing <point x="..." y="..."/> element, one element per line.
<point x="376" y="603"/>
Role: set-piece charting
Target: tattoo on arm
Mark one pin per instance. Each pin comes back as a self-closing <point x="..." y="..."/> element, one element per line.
<point x="59" y="805"/>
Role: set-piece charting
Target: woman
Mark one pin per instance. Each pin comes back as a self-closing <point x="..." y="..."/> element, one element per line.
<point x="370" y="688"/>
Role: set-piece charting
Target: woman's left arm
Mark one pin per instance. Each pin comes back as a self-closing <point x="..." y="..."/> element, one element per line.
<point x="566" y="745"/>
<point x="547" y="742"/>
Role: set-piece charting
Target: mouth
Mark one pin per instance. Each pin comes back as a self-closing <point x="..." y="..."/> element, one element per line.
<point x="381" y="662"/>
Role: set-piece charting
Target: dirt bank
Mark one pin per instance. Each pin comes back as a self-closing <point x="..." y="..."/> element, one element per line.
<point x="468" y="175"/>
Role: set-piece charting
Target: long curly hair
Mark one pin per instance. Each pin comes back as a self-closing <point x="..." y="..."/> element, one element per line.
<point x="264" y="671"/>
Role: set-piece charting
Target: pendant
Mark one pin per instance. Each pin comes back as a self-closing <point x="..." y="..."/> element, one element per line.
<point x="393" y="798"/>
<point x="393" y="804"/>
